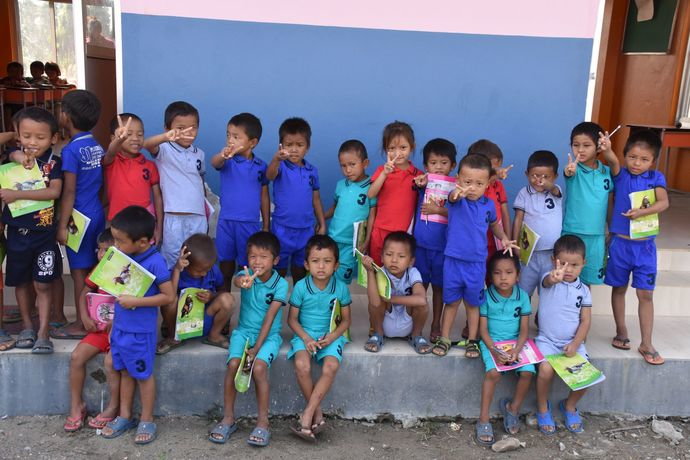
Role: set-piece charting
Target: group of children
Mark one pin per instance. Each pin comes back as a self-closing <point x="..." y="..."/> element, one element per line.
<point x="47" y="74"/>
<point x="161" y="203"/>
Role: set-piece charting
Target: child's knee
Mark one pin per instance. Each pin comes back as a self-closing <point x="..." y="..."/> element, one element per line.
<point x="260" y="372"/>
<point x="43" y="288"/>
<point x="225" y="301"/>
<point x="525" y="375"/>
<point x="302" y="364"/>
<point x="644" y="295"/>
<point x="233" y="364"/>
<point x="492" y="376"/>
<point x="545" y="371"/>
<point x="330" y="366"/>
<point x="79" y="357"/>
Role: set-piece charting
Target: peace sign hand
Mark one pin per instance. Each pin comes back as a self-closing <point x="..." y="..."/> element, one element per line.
<point x="29" y="158"/>
<point x="282" y="154"/>
<point x="230" y="150"/>
<point x="502" y="173"/>
<point x="571" y="167"/>
<point x="558" y="273"/>
<point x="175" y="135"/>
<point x="604" y="143"/>
<point x="421" y="180"/>
<point x="122" y="131"/>
<point x="509" y="245"/>
<point x="458" y="193"/>
<point x="183" y="259"/>
<point x="247" y="280"/>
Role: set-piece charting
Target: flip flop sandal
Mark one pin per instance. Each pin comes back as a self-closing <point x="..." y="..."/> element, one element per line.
<point x="62" y="334"/>
<point x="571" y="418"/>
<point x="472" y="349"/>
<point x="420" y="345"/>
<point x="374" y="341"/>
<point x="57" y="324"/>
<point x="620" y="343"/>
<point x="120" y="426"/>
<point x="99" y="422"/>
<point x="317" y="428"/>
<point x="26" y="339"/>
<point x="167" y="345"/>
<point x="6" y="341"/>
<point x="224" y="344"/>
<point x="42" y="347"/>
<point x="653" y="358"/>
<point x="262" y="434"/>
<point x="483" y="430"/>
<point x="441" y="347"/>
<point x="73" y="425"/>
<point x="510" y="420"/>
<point x="11" y="316"/>
<point x="303" y="432"/>
<point x="223" y="432"/>
<point x="148" y="428"/>
<point x="546" y="420"/>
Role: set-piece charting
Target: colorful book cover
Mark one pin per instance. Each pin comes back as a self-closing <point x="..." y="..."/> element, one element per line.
<point x="118" y="274"/>
<point x="76" y="229"/>
<point x="437" y="190"/>
<point x="644" y="226"/>
<point x="576" y="371"/>
<point x="16" y="177"/>
<point x="101" y="309"/>
<point x="190" y="315"/>
<point x="530" y="354"/>
<point x="527" y="242"/>
<point x="337" y="318"/>
<point x="382" y="280"/>
<point x="359" y="235"/>
<point x="243" y="376"/>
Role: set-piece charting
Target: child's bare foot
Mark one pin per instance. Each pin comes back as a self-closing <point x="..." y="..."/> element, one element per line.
<point x="101" y="420"/>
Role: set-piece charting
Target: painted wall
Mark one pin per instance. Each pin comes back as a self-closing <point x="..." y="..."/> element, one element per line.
<point x="512" y="72"/>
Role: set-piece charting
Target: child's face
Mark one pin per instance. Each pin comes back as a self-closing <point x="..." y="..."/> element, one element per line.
<point x="321" y="263"/>
<point x="15" y="73"/>
<point x="35" y="137"/>
<point x="439" y="164"/>
<point x="296" y="146"/>
<point x="504" y="275"/>
<point x="261" y="260"/>
<point x="584" y="148"/>
<point x="474" y="180"/>
<point x="102" y="247"/>
<point x="539" y="176"/>
<point x="352" y="166"/>
<point x="200" y="268"/>
<point x="399" y="149"/>
<point x="52" y="74"/>
<point x="132" y="145"/>
<point x="575" y="262"/>
<point x="36" y="72"/>
<point x="182" y="122"/>
<point x="639" y="159"/>
<point x="397" y="257"/>
<point x="126" y="244"/>
<point x="237" y="136"/>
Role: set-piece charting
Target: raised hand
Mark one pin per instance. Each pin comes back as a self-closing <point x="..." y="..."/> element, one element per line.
<point x="183" y="259"/>
<point x="509" y="245"/>
<point x="558" y="273"/>
<point x="604" y="143"/>
<point x="389" y="166"/>
<point x="122" y="131"/>
<point x="571" y="167"/>
<point x="282" y="154"/>
<point x="502" y="173"/>
<point x="175" y="135"/>
<point x="421" y="180"/>
<point x="230" y="150"/>
<point x="246" y="281"/>
<point x="459" y="192"/>
<point x="29" y="158"/>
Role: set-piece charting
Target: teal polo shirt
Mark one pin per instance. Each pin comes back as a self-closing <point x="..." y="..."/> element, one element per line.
<point x="503" y="313"/>
<point x="316" y="305"/>
<point x="587" y="199"/>
<point x="256" y="300"/>
<point x="351" y="205"/>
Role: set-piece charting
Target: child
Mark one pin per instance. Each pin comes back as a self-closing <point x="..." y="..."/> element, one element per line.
<point x="244" y="200"/>
<point x="94" y="343"/>
<point x="405" y="313"/>
<point x="181" y="168"/>
<point x="264" y="292"/>
<point x="539" y="206"/>
<point x="33" y="260"/>
<point x="38" y="78"/>
<point x="83" y="175"/>
<point x="15" y="76"/>
<point x="470" y="214"/>
<point x="588" y="184"/>
<point x="351" y="204"/>
<point x="53" y="72"/>
<point x="311" y="306"/>
<point x="504" y="315"/>
<point x="131" y="178"/>
<point x="393" y="184"/>
<point x="296" y="196"/>
<point x="6" y="340"/>
<point x="639" y="255"/>
<point x="439" y="158"/>
<point x="196" y="268"/>
<point x="564" y="318"/>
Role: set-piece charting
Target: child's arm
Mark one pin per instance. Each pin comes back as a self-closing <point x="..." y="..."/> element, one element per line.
<point x="484" y="332"/>
<point x="151" y="144"/>
<point x="265" y="209"/>
<point x="229" y="151"/>
<point x="66" y="204"/>
<point x="87" y="321"/>
<point x="165" y="297"/>
<point x="158" y="208"/>
<point x="340" y="330"/>
<point x="517" y="224"/>
<point x="274" y="165"/>
<point x="372" y="285"/>
<point x="433" y="208"/>
<point x="120" y="135"/>
<point x="328" y="214"/>
<point x="265" y="327"/>
<point x="7" y="137"/>
<point x="310" y="342"/>
<point x="604" y="146"/>
<point x="556" y="275"/>
<point x="660" y="205"/>
<point x="51" y="193"/>
<point x="458" y="194"/>
<point x="581" y="333"/>
<point x="180" y="265"/>
<point x="416" y="299"/>
<point x="505" y="219"/>
<point x="245" y="281"/>
<point x="370" y="226"/>
<point x="507" y="243"/>
<point x="522" y="338"/>
<point x="318" y="212"/>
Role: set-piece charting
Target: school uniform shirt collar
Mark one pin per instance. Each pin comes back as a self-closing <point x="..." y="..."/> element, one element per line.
<point x="243" y="159"/>
<point x="289" y="164"/>
<point x="313" y="289"/>
<point x="272" y="282"/>
<point x="577" y="284"/>
<point x="648" y="174"/>
<point x="139" y="158"/>
<point x="144" y="255"/>
<point x="481" y="200"/>
<point x="84" y="135"/>
<point x="531" y="190"/>
<point x="366" y="182"/>
<point x="497" y="297"/>
<point x="599" y="167"/>
<point x="179" y="148"/>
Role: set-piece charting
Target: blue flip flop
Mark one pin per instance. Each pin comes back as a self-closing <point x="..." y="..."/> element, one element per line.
<point x="546" y="419"/>
<point x="509" y="420"/>
<point x="484" y="429"/>
<point x="263" y="434"/>
<point x="149" y="428"/>
<point x="120" y="426"/>
<point x="224" y="430"/>
<point x="571" y="418"/>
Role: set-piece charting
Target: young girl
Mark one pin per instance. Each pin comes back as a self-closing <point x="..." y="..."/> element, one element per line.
<point x="393" y="185"/>
<point x="504" y="315"/>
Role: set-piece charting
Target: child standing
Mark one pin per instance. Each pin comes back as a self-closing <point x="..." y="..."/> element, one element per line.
<point x="296" y="196"/>
<point x="504" y="315"/>
<point x="244" y="200"/>
<point x="638" y="256"/>
<point x="565" y="315"/>
<point x="439" y="158"/>
<point x="311" y="306"/>
<point x="133" y="337"/>
<point x="351" y="204"/>
<point x="264" y="292"/>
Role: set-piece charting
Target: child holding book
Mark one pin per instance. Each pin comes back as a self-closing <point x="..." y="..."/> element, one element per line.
<point x="311" y="309"/>
<point x="264" y="292"/>
<point x="629" y="253"/>
<point x="7" y="342"/>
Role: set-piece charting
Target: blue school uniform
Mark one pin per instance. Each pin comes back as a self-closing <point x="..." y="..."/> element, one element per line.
<point x="431" y="242"/>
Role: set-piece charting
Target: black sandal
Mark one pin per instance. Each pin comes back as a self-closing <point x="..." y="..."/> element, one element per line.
<point x="472" y="349"/>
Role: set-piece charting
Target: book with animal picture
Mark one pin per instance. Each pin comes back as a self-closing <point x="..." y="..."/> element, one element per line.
<point x="243" y="376"/>
<point x="16" y="177"/>
<point x="438" y="188"/>
<point x="382" y="280"/>
<point x="648" y="225"/>
<point x="359" y="235"/>
<point x="337" y="318"/>
<point x="101" y="309"/>
<point x="529" y="354"/>
<point x="76" y="229"/>
<point x="118" y="274"/>
<point x="527" y="242"/>
<point x="575" y="371"/>
<point x="190" y="315"/>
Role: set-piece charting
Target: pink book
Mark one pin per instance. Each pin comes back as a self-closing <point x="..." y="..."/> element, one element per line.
<point x="437" y="190"/>
<point x="101" y="308"/>
<point x="530" y="354"/>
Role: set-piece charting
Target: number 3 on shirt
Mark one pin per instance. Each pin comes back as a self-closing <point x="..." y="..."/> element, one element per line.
<point x="361" y="199"/>
<point x="269" y="298"/>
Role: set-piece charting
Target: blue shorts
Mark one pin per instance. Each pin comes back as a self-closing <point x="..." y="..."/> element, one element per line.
<point x="626" y="256"/>
<point x="293" y="242"/>
<point x="595" y="258"/>
<point x="530" y="274"/>
<point x="267" y="353"/>
<point x="463" y="280"/>
<point x="347" y="267"/>
<point x="31" y="256"/>
<point x="489" y="362"/>
<point x="429" y="262"/>
<point x="87" y="256"/>
<point x="335" y="349"/>
<point x="176" y="229"/>
<point x="231" y="239"/>
<point x="134" y="352"/>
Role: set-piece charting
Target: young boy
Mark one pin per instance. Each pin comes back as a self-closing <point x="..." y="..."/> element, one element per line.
<point x="439" y="158"/>
<point x="181" y="168"/>
<point x="638" y="256"/>
<point x="37" y="78"/>
<point x="405" y="313"/>
<point x="33" y="260"/>
<point x="264" y="292"/>
<point x="196" y="268"/>
<point x="83" y="176"/>
<point x="133" y="337"/>
<point x="470" y="214"/>
<point x="311" y="307"/>
<point x="351" y="204"/>
<point x="539" y="205"/>
<point x="565" y="315"/>
<point x="244" y="199"/>
<point x="588" y="184"/>
<point x="296" y="196"/>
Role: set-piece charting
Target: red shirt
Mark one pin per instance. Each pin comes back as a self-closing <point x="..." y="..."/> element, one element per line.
<point x="496" y="192"/>
<point x="397" y="199"/>
<point x="129" y="182"/>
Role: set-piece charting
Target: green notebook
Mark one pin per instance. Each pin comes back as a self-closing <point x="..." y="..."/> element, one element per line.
<point x="118" y="274"/>
<point x="382" y="280"/>
<point x="16" y="177"/>
<point x="644" y="226"/>
<point x="576" y="371"/>
<point x="76" y="229"/>
<point x="190" y="315"/>
<point x="243" y="376"/>
<point x="528" y="241"/>
<point x="336" y="319"/>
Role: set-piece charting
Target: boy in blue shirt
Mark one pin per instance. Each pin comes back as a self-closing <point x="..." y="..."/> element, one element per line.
<point x="133" y="337"/>
<point x="264" y="292"/>
<point x="244" y="200"/>
<point x="638" y="255"/>
<point x="311" y="307"/>
<point x="351" y="204"/>
<point x="296" y="196"/>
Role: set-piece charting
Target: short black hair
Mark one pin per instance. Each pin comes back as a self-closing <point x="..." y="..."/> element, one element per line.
<point x="201" y="248"/>
<point x="124" y="116"/>
<point x="587" y="128"/>
<point x="543" y="158"/>
<point x="645" y="138"/>
<point x="179" y="109"/>
<point x="106" y="236"/>
<point x="440" y="147"/>
<point x="355" y="146"/>
<point x="250" y="123"/>
<point x="265" y="240"/>
<point x="295" y="125"/>
<point x="322" y="242"/>
<point x="14" y="65"/>
<point x="52" y="66"/>
<point x="83" y="108"/>
<point x="476" y="161"/>
<point x="487" y="148"/>
<point x="37" y="114"/>
<point x="500" y="255"/>
<point x="37" y="65"/>
<point x="569" y="243"/>
<point x="136" y="222"/>
<point x="404" y="238"/>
